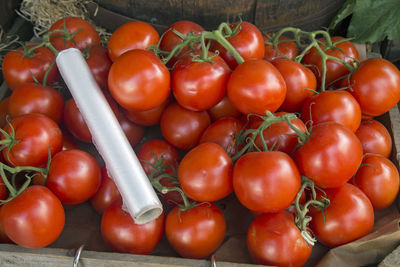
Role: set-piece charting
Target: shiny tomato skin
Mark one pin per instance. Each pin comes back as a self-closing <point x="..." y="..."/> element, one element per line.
<point x="182" y="127"/>
<point x="34" y="219"/>
<point x="374" y="137"/>
<point x="86" y="37"/>
<point x="74" y="176"/>
<point x="138" y="80"/>
<point x="256" y="86"/>
<point x="273" y="239"/>
<point x="131" y="35"/>
<point x="332" y="105"/>
<point x="331" y="155"/>
<point x="123" y="235"/>
<point x="224" y="108"/>
<point x="197" y="232"/>
<point x="286" y="49"/>
<point x="19" y="69"/>
<point x="36" y="134"/>
<point x="348" y="217"/>
<point x="375" y="85"/>
<point x="260" y="178"/>
<point x="35" y="98"/>
<point x="378" y="178"/>
<point x="147" y="117"/>
<point x="99" y="63"/>
<point x="199" y="86"/>
<point x="133" y="132"/>
<point x="300" y="83"/>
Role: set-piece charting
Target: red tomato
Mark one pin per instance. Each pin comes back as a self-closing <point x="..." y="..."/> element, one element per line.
<point x="99" y="63"/>
<point x="34" y="98"/>
<point x="34" y="219"/>
<point x="256" y="86"/>
<point x="248" y="42"/>
<point x="334" y="105"/>
<point x="376" y="86"/>
<point x="182" y="127"/>
<point x="147" y="117"/>
<point x="266" y="181"/>
<point x="300" y="83"/>
<point x="3" y="236"/>
<point x="35" y="134"/>
<point x="274" y="239"/>
<point x="197" y="232"/>
<point x="335" y="70"/>
<point x="122" y="234"/>
<point x="374" y="137"/>
<point x="74" y="176"/>
<point x="19" y="67"/>
<point x="199" y="85"/>
<point x="133" y="132"/>
<point x="3" y="190"/>
<point x="83" y="34"/>
<point x="378" y="178"/>
<point x="132" y="35"/>
<point x="4" y="111"/>
<point x="106" y="194"/>
<point x="139" y="80"/>
<point x="222" y="109"/>
<point x="348" y="217"/>
<point x="286" y="49"/>
<point x="69" y="142"/>
<point x="330" y="156"/>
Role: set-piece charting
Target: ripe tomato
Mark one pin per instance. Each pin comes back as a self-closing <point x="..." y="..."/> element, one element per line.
<point x="286" y="49"/>
<point x="3" y="190"/>
<point x="133" y="132"/>
<point x="256" y="86"/>
<point x="74" y="176"/>
<point x="330" y="156"/>
<point x="335" y="70"/>
<point x="333" y="105"/>
<point x="4" y="111"/>
<point x="199" y="86"/>
<point x="374" y="137"/>
<point x="182" y="127"/>
<point x="348" y="217"/>
<point x="34" y="219"/>
<point x="106" y="194"/>
<point x="34" y="98"/>
<point x="224" y="108"/>
<point x="147" y="117"/>
<point x="260" y="178"/>
<point x="274" y="239"/>
<point x="122" y="234"/>
<point x="300" y="83"/>
<point x="36" y="135"/>
<point x="131" y="35"/>
<point x="3" y="236"/>
<point x="375" y="85"/>
<point x="85" y="34"/>
<point x="139" y="80"/>
<point x="378" y="178"/>
<point x="19" y="67"/>
<point x="197" y="232"/>
<point x="99" y="63"/>
<point x="248" y="42"/>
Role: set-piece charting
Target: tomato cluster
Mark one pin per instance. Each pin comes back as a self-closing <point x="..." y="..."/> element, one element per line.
<point x="287" y="129"/>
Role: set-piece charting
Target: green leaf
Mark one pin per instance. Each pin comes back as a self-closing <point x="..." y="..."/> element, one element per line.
<point x="374" y="20"/>
<point x="346" y="10"/>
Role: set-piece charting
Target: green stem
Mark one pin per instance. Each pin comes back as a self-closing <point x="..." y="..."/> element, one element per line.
<point x="7" y="183"/>
<point x="219" y="37"/>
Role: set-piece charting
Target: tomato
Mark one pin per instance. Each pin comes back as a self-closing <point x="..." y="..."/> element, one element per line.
<point x="266" y="181"/>
<point x="83" y="34"/>
<point x="69" y="142"/>
<point x="131" y="35"/>
<point x="3" y="236"/>
<point x="374" y="137"/>
<point x="286" y="49"/>
<point x="248" y="42"/>
<point x="3" y="190"/>
<point x="36" y="136"/>
<point x="182" y="127"/>
<point x="334" y="105"/>
<point x="122" y="234"/>
<point x="99" y="63"/>
<point x="199" y="85"/>
<point x="300" y="83"/>
<point x="4" y="111"/>
<point x="139" y="80"/>
<point x="197" y="232"/>
<point x="330" y="156"/>
<point x="378" y="178"/>
<point x="375" y="85"/>
<point x="348" y="217"/>
<point x="222" y="109"/>
<point x="256" y="86"/>
<point x="133" y="132"/>
<point x="147" y="117"/>
<point x="20" y="67"/>
<point x="274" y="239"/>
<point x="74" y="176"/>
<point x="344" y="50"/>
<point x="34" y="219"/>
<point x="34" y="98"/>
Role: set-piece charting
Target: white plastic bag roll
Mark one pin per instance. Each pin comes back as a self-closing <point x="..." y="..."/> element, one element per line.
<point x="137" y="193"/>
